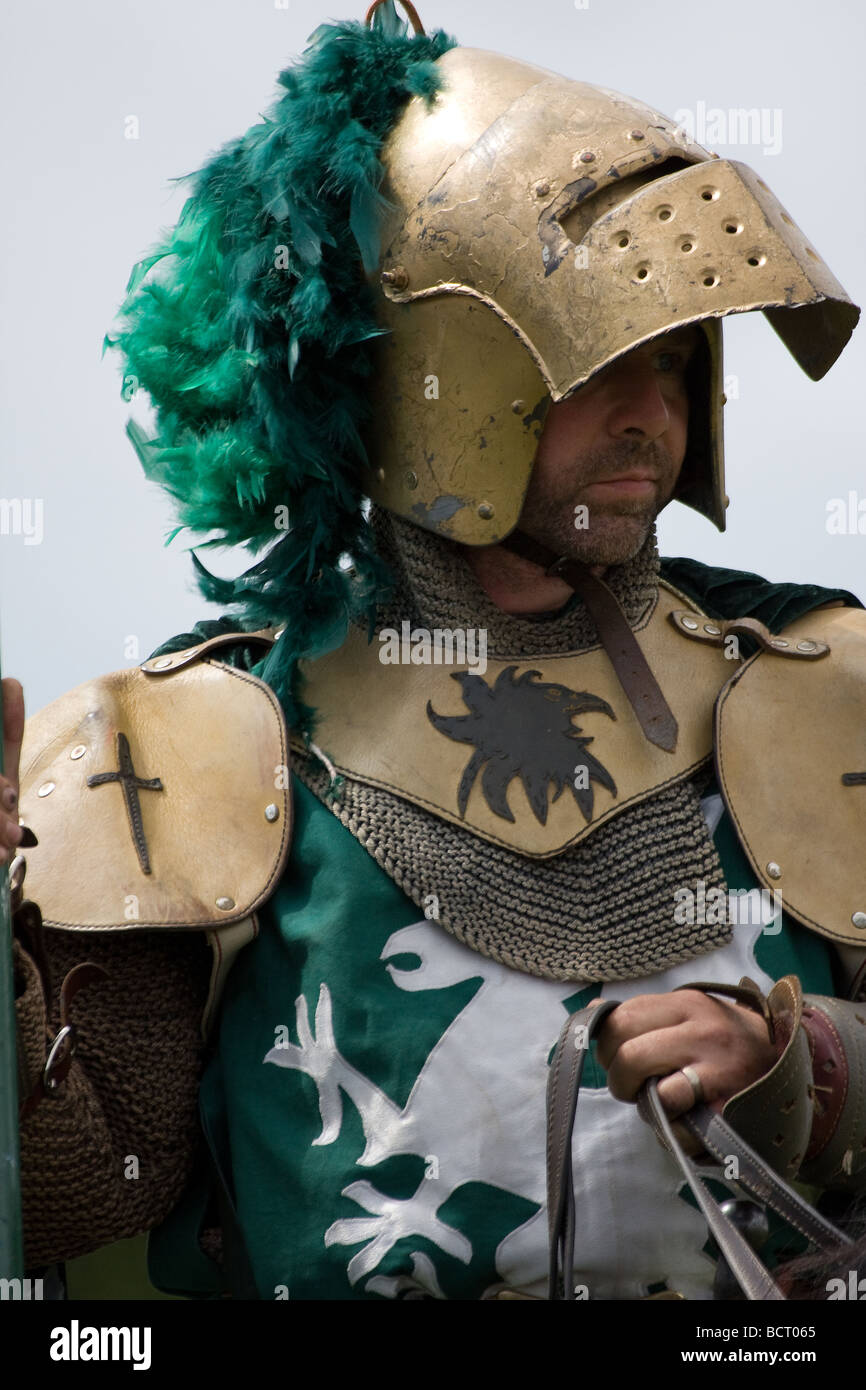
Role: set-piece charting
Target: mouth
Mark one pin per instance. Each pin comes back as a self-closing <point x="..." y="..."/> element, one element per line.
<point x="637" y="484"/>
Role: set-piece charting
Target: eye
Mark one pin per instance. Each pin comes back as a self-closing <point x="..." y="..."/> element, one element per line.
<point x="670" y="361"/>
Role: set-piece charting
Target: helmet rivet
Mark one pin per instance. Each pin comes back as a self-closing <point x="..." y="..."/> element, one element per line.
<point x="225" y="904"/>
<point x="779" y="642"/>
<point x="859" y="919"/>
<point x="485" y="510"/>
<point x="712" y="629"/>
<point x="518" y="407"/>
<point x="807" y="645"/>
<point x="635" y="135"/>
<point x="690" y="623"/>
<point x="773" y="869"/>
<point x="398" y="278"/>
<point x="411" y="479"/>
<point x="542" y="189"/>
<point x="272" y="812"/>
<point x="586" y="156"/>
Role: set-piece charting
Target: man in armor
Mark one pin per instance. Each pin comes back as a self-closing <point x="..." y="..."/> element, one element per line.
<point x="321" y="882"/>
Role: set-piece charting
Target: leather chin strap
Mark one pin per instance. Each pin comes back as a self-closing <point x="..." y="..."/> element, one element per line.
<point x="633" y="671"/>
<point x="719" y="1139"/>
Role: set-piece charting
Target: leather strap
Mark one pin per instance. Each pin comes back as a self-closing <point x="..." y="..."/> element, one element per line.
<point x="61" y="1049"/>
<point x="723" y="1142"/>
<point x="805" y="648"/>
<point x="857" y="989"/>
<point x="754" y="1279"/>
<point x="172" y="661"/>
<point x="631" y="666"/>
<point x="563" y="1084"/>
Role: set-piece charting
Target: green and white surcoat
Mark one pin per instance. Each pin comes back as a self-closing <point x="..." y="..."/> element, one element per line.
<point x="382" y="1090"/>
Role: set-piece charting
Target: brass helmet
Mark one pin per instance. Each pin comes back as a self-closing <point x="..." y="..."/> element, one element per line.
<point x="540" y="228"/>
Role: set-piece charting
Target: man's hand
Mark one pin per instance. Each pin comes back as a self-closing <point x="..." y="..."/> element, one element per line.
<point x="657" y="1034"/>
<point x="13" y="733"/>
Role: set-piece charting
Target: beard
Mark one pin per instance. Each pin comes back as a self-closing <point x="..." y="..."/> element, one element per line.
<point x="607" y="533"/>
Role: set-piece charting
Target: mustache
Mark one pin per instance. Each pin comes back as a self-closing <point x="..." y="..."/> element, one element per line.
<point x="620" y="456"/>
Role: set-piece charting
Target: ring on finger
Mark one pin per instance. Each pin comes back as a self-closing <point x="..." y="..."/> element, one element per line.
<point x="696" y="1084"/>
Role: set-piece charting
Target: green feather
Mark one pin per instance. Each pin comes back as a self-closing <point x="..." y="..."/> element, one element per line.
<point x="251" y="327"/>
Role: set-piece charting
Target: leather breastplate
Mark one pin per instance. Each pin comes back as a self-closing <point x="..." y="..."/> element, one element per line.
<point x="533" y="753"/>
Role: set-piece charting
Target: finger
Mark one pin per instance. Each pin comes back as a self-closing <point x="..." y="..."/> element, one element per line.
<point x="13" y="731"/>
<point x="653" y="1054"/>
<point x="11" y="836"/>
<point x="688" y="1142"/>
<point x="645" y="1014"/>
<point x="677" y="1094"/>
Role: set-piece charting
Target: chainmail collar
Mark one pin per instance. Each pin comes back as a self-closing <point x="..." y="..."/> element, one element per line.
<point x="435" y="587"/>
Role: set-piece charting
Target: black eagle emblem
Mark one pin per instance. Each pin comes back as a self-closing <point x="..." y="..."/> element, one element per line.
<point x="521" y="727"/>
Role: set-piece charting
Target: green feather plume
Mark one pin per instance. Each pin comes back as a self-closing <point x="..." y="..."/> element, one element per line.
<point x="255" y="341"/>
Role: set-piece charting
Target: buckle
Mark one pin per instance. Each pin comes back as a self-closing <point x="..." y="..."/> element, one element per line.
<point x="59" y="1059"/>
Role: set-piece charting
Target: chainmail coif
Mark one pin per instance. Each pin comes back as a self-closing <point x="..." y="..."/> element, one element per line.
<point x="602" y="909"/>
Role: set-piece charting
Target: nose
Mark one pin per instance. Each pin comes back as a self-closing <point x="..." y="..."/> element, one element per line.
<point x="637" y="406"/>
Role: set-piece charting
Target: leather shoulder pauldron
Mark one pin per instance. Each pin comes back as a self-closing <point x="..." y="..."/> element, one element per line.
<point x="791" y="761"/>
<point x="156" y="797"/>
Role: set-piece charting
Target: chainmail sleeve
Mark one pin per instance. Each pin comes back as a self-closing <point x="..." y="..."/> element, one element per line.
<point x="108" y="1155"/>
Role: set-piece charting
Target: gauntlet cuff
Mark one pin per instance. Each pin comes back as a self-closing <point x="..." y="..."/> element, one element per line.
<point x="836" y="1156"/>
<point x="774" y="1115"/>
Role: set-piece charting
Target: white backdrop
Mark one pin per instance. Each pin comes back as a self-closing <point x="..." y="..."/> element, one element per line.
<point x="82" y="203"/>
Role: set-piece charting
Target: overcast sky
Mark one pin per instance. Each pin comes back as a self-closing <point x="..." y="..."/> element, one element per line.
<point x="82" y="204"/>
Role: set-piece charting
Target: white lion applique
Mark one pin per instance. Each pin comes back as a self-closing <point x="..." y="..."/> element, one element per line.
<point x="476" y="1113"/>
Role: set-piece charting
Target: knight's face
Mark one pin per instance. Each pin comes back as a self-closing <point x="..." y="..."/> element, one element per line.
<point x="615" y="448"/>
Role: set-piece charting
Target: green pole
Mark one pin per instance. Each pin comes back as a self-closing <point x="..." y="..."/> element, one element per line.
<point x="11" y="1254"/>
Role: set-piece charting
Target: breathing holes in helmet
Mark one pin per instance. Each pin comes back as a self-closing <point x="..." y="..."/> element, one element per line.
<point x="733" y="228"/>
<point x="709" y="195"/>
<point x="711" y="279"/>
<point x="756" y="258"/>
<point x="664" y="214"/>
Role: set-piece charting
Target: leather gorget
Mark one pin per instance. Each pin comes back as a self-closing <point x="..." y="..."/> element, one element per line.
<point x="601" y="905"/>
